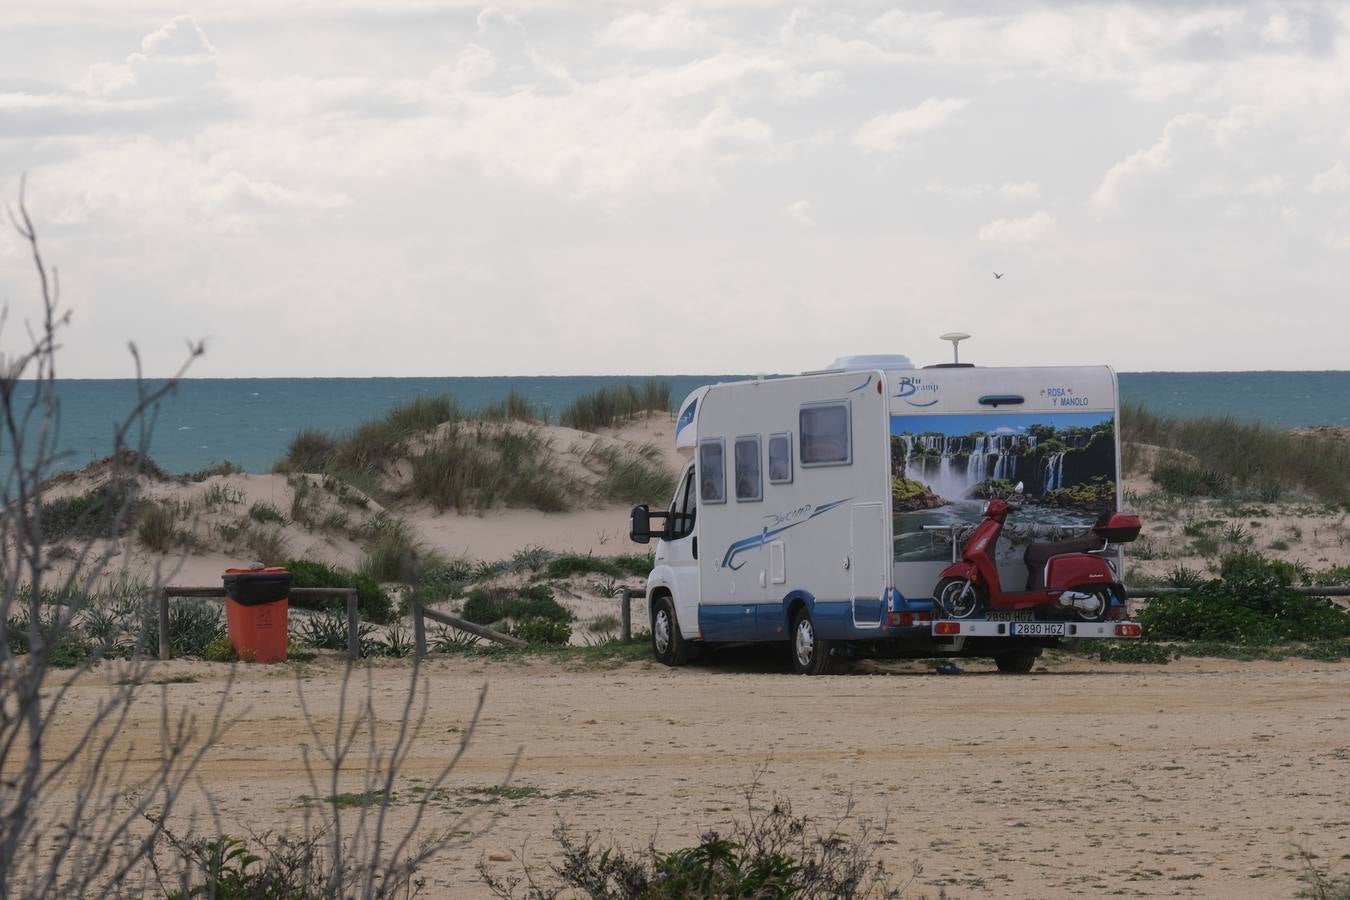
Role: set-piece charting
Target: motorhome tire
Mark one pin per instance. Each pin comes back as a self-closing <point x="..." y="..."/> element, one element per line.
<point x="668" y="645"/>
<point x="1016" y="662"/>
<point x="810" y="655"/>
<point x="958" y="598"/>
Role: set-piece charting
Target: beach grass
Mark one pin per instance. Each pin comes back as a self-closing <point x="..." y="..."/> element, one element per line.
<point x="1225" y="454"/>
<point x="634" y="476"/>
<point x="605" y="407"/>
<point x="515" y="407"/>
<point x="480" y="467"/>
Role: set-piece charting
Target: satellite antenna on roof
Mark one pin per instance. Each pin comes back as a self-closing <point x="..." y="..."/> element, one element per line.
<point x="956" y="337"/>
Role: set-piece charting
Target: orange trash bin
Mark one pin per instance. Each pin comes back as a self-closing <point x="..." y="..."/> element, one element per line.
<point x="256" y="606"/>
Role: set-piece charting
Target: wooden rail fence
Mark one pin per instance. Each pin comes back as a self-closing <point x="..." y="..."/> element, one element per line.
<point x="420" y="614"/>
<point x="1316" y="590"/>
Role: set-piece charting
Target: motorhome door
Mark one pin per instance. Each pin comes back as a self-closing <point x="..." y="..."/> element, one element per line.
<point x="869" y="559"/>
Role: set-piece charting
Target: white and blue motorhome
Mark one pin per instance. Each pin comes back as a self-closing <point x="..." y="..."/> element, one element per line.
<point x="818" y="510"/>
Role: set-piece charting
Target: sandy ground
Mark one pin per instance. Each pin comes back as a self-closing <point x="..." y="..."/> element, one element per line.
<point x="1197" y="779"/>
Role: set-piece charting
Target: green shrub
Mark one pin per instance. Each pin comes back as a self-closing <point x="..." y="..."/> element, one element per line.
<point x="193" y="626"/>
<point x="485" y="606"/>
<point x="623" y="565"/>
<point x="1250" y="603"/>
<point x="107" y="511"/>
<point x="219" y="650"/>
<point x="535" y="630"/>
<point x="371" y="600"/>
<point x="325" y="630"/>
<point x="774" y="855"/>
<point x="442" y="580"/>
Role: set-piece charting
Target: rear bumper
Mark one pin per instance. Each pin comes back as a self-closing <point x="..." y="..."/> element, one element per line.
<point x="953" y="628"/>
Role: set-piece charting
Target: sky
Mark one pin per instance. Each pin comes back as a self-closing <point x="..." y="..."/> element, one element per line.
<point x="406" y="187"/>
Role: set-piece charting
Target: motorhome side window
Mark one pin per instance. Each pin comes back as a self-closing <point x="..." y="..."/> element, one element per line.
<point x="780" y="459"/>
<point x="712" y="471"/>
<point x="749" y="482"/>
<point x="826" y="434"/>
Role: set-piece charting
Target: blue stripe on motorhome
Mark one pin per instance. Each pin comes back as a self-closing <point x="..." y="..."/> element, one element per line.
<point x="736" y="622"/>
<point x="728" y="622"/>
<point x="900" y="603"/>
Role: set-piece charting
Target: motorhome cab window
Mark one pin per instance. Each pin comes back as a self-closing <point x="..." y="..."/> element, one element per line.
<point x="825" y="432"/>
<point x="712" y="471"/>
<point x="780" y="459"/>
<point x="684" y="509"/>
<point x="749" y="483"/>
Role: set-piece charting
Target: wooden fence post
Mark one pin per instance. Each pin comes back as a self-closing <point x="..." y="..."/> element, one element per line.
<point x="626" y="615"/>
<point x="353" y="627"/>
<point x="164" y="649"/>
<point x="419" y="629"/>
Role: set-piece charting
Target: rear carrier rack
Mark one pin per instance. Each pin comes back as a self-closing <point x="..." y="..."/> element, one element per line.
<point x="952" y="628"/>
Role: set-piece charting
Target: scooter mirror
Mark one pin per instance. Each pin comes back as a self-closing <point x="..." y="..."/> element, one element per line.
<point x="1017" y="489"/>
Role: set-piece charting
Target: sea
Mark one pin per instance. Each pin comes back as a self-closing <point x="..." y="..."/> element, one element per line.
<point x="250" y="421"/>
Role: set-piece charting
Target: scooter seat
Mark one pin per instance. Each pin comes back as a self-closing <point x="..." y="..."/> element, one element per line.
<point x="1041" y="553"/>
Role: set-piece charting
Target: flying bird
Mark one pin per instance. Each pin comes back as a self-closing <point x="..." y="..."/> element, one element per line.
<point x="998" y="274"/>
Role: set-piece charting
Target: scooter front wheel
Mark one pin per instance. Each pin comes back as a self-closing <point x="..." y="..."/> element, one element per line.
<point x="958" y="598"/>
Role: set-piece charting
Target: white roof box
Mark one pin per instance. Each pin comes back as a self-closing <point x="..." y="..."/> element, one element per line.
<point x="871" y="361"/>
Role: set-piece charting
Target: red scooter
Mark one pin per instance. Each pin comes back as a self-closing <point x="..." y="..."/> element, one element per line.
<point x="1070" y="576"/>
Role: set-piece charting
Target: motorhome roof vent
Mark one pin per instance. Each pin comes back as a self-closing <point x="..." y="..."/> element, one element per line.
<point x="871" y="361"/>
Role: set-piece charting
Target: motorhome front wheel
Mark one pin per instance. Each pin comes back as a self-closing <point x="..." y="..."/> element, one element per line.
<point x="668" y="645"/>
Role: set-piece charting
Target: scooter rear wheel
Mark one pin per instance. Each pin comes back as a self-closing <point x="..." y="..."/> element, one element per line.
<point x="958" y="598"/>
<point x="1103" y="595"/>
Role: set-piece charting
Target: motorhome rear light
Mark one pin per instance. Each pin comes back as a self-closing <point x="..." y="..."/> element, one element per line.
<point x="947" y="628"/>
<point x="1129" y="629"/>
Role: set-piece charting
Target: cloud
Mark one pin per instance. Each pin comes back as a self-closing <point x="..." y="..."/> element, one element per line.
<point x="1156" y="158"/>
<point x="672" y="28"/>
<point x="1018" y="231"/>
<point x="1020" y="190"/>
<point x="1333" y="180"/>
<point x="800" y="212"/>
<point x="886" y="133"/>
<point x="1205" y="140"/>
<point x="174" y="59"/>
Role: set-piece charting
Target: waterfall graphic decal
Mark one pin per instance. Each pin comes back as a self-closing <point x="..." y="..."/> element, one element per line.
<point x="944" y="468"/>
<point x="774" y="526"/>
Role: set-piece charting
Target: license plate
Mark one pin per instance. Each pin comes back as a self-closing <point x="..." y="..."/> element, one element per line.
<point x="1037" y="629"/>
<point x="1011" y="615"/>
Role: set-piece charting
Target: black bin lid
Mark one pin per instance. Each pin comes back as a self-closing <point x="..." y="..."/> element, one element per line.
<point x="253" y="587"/>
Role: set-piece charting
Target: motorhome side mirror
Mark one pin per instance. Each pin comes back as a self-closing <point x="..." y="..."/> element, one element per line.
<point x="640" y="529"/>
<point x="1017" y="489"/>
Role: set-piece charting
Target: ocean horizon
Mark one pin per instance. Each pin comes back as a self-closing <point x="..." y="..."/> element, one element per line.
<point x="250" y="421"/>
